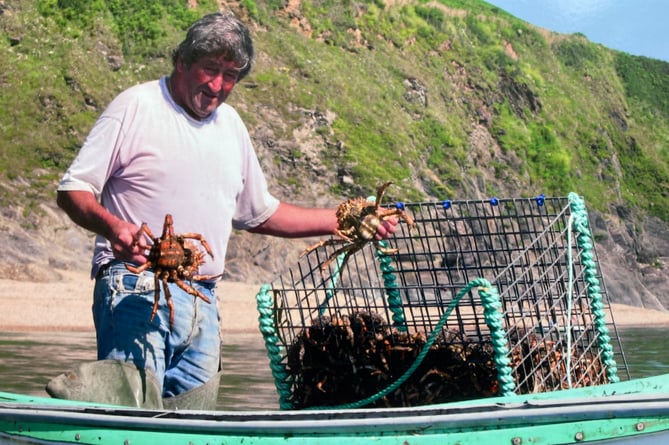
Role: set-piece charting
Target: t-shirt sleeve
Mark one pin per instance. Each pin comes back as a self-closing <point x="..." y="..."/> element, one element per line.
<point x="93" y="164"/>
<point x="255" y="204"/>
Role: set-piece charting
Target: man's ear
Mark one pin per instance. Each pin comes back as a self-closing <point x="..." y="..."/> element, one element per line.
<point x="179" y="65"/>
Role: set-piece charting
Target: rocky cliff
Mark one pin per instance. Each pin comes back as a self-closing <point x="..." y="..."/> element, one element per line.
<point x="632" y="252"/>
<point x="458" y="102"/>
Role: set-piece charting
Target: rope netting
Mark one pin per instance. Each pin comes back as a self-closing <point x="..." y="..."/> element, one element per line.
<point x="482" y="298"/>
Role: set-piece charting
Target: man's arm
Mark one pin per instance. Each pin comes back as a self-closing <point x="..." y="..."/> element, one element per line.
<point x="85" y="211"/>
<point x="291" y="221"/>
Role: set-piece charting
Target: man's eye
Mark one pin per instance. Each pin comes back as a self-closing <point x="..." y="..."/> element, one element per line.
<point x="230" y="76"/>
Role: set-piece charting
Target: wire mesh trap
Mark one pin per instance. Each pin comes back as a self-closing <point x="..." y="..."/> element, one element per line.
<point x="482" y="298"/>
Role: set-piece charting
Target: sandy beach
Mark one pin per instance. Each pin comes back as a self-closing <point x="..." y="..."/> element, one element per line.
<point x="64" y="305"/>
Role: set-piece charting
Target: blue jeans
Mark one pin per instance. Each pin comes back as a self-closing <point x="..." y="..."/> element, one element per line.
<point x="184" y="356"/>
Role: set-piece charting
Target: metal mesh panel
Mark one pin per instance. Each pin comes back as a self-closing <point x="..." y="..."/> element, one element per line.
<point x="524" y="247"/>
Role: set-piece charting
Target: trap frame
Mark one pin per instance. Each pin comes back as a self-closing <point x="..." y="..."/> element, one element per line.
<point x="540" y="319"/>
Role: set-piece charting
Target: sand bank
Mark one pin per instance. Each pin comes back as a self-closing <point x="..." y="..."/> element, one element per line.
<point x="65" y="305"/>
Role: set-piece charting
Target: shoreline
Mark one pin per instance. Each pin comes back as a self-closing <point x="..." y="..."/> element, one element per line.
<point x="64" y="305"/>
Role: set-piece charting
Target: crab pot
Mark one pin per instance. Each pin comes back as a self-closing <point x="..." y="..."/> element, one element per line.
<point x="406" y="327"/>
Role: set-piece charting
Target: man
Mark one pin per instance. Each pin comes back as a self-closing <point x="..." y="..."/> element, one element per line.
<point x="174" y="146"/>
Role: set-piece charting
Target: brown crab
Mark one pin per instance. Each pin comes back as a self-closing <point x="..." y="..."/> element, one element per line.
<point x="173" y="259"/>
<point x="357" y="222"/>
<point x="348" y="357"/>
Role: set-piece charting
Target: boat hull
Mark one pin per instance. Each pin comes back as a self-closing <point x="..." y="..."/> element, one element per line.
<point x="633" y="412"/>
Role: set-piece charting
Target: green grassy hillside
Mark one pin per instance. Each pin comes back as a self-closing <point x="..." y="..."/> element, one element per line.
<point x="448" y="98"/>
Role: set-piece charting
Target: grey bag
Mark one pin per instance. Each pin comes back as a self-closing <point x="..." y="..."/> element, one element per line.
<point x="114" y="382"/>
<point x="111" y="382"/>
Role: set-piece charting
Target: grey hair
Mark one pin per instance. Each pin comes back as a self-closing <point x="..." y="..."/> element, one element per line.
<point x="217" y="34"/>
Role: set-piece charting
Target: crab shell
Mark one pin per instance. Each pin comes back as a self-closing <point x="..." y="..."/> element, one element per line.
<point x="358" y="218"/>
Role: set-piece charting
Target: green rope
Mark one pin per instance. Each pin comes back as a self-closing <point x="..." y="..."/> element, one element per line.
<point x="491" y="312"/>
<point x="273" y="346"/>
<point x="332" y="284"/>
<point x="584" y="240"/>
<point x="392" y="291"/>
<point x="570" y="302"/>
<point x="493" y="318"/>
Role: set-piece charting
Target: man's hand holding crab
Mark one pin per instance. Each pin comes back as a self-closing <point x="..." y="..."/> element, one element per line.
<point x="360" y="221"/>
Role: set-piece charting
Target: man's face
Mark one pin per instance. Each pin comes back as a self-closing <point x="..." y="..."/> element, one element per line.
<point x="205" y="85"/>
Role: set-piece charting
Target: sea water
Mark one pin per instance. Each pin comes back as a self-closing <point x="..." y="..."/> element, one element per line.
<point x="29" y="360"/>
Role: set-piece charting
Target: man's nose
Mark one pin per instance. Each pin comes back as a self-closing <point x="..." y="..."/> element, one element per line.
<point x="216" y="83"/>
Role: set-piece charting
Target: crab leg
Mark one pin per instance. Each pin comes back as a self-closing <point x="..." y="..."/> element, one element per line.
<point x="139" y="269"/>
<point x="170" y="303"/>
<point x="156" y="294"/>
<point x="201" y="239"/>
<point x="192" y="291"/>
<point x="143" y="230"/>
<point x="380" y="191"/>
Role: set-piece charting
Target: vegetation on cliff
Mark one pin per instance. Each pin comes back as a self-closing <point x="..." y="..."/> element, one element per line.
<point x="450" y="99"/>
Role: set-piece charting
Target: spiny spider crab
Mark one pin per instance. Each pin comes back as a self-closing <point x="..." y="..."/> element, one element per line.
<point x="173" y="260"/>
<point x="357" y="222"/>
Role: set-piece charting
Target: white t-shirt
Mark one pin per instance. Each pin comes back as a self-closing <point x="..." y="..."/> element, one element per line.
<point x="146" y="157"/>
